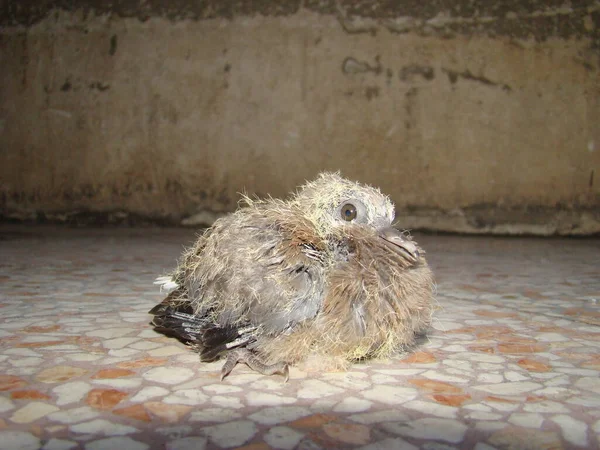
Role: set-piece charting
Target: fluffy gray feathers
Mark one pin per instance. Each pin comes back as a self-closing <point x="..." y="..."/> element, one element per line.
<point x="306" y="276"/>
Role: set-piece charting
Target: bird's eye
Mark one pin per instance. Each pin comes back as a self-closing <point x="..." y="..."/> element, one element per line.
<point x="348" y="212"/>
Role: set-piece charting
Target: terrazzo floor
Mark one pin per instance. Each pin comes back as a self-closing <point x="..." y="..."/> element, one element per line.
<point x="512" y="360"/>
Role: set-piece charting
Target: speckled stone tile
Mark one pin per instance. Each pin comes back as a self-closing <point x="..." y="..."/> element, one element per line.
<point x="512" y="360"/>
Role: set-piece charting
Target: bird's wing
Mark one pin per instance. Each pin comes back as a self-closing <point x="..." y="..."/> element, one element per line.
<point x="268" y="271"/>
<point x="257" y="271"/>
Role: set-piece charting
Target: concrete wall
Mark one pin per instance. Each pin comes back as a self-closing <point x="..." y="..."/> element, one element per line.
<point x="474" y="118"/>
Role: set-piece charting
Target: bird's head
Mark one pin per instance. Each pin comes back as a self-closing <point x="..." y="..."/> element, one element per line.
<point x="334" y="204"/>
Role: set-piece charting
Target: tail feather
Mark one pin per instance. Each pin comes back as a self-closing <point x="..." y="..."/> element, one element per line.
<point x="167" y="284"/>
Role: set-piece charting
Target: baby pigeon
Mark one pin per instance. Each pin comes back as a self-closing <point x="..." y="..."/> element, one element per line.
<point x="321" y="277"/>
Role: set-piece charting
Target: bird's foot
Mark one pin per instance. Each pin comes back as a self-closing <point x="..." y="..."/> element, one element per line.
<point x="243" y="355"/>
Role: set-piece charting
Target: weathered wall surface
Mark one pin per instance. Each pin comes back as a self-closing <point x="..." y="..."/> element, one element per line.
<point x="473" y="118"/>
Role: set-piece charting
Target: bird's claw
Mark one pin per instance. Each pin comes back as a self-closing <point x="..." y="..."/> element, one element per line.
<point x="244" y="355"/>
<point x="226" y="370"/>
<point x="286" y="373"/>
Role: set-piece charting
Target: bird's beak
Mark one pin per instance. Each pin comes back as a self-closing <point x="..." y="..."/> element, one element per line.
<point x="400" y="244"/>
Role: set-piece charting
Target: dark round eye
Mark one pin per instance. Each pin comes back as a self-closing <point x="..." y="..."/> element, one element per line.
<point x="348" y="212"/>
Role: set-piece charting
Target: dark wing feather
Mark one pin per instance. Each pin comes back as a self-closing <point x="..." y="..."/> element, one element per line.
<point x="176" y="318"/>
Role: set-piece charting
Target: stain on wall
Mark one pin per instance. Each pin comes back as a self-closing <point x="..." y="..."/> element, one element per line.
<point x="476" y="116"/>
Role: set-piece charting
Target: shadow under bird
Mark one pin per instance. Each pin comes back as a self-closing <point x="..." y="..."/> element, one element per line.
<point x="320" y="279"/>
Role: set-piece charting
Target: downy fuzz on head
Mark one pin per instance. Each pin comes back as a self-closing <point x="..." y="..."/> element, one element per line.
<point x="331" y="202"/>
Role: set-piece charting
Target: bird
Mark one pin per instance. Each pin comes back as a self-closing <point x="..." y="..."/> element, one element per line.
<point x="321" y="279"/>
